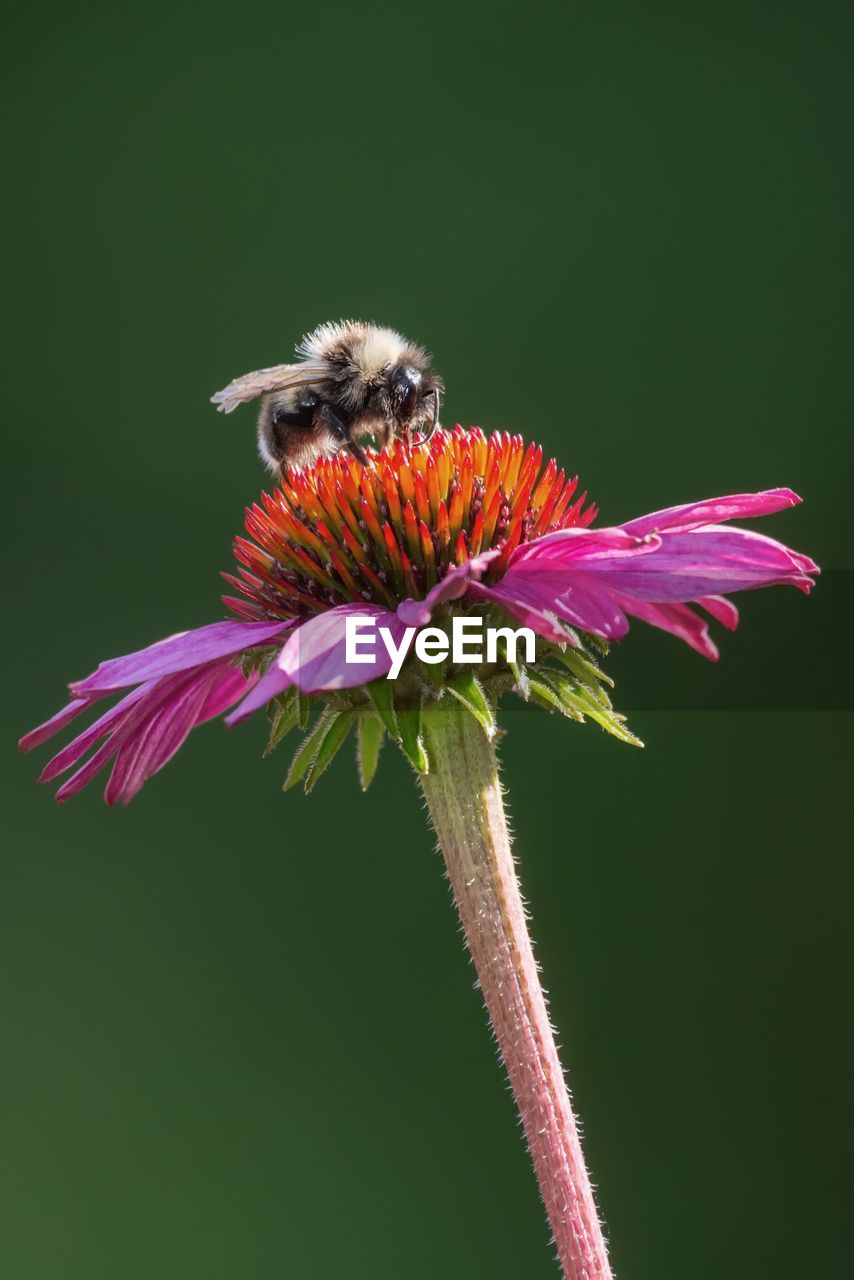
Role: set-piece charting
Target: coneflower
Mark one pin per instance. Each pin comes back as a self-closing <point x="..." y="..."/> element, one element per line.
<point x="463" y="525"/>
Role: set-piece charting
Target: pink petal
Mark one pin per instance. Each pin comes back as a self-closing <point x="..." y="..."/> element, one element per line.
<point x="133" y="713"/>
<point x="802" y="562"/>
<point x="580" y="546"/>
<point x="273" y="682"/>
<point x="314" y="656"/>
<point x="538" y="594"/>
<point x="157" y="740"/>
<point x="550" y="576"/>
<point x="417" y="613"/>
<point x="533" y="614"/>
<point x="179" y="653"/>
<point x="691" y="515"/>
<point x="706" y="561"/>
<point x="108" y="723"/>
<point x="87" y="772"/>
<point x="45" y="731"/>
<point x="229" y="684"/>
<point x="721" y="609"/>
<point x="146" y="728"/>
<point x="678" y="619"/>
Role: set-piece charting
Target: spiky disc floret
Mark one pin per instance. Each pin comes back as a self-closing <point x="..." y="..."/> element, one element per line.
<point x="341" y="533"/>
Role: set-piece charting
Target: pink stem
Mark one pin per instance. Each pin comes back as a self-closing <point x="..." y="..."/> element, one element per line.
<point x="463" y="794"/>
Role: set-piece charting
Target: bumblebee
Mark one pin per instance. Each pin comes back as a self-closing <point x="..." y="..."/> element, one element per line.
<point x="351" y="380"/>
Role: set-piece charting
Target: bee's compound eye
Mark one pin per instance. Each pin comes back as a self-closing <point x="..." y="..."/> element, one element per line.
<point x="405" y="392"/>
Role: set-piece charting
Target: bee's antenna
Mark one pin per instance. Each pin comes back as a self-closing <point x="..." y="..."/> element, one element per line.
<point x="434" y="424"/>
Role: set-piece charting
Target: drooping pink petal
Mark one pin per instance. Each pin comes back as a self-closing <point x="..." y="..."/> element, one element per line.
<point x="530" y="612"/>
<point x="273" y="682"/>
<point x="146" y="728"/>
<point x="721" y="609"/>
<point x="179" y="653"/>
<point x="87" y="771"/>
<point x="691" y="515"/>
<point x="108" y="723"/>
<point x="315" y="655"/>
<point x="157" y="740"/>
<point x="417" y="613"/>
<point x="651" y="568"/>
<point x="535" y="596"/>
<point x="229" y="684"/>
<point x="589" y="609"/>
<point x="802" y="562"/>
<point x="209" y="694"/>
<point x="707" y="561"/>
<point x="679" y="619"/>
<point x="131" y="714"/>
<point x="550" y="577"/>
<point x="47" y="730"/>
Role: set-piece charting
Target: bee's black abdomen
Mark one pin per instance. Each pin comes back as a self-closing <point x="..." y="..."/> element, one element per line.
<point x="285" y="418"/>
<point x="299" y="415"/>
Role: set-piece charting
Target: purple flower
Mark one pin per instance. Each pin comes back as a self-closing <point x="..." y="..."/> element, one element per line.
<point x="445" y="525"/>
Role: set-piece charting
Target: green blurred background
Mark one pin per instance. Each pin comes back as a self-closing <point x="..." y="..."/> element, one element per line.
<point x="239" y="1031"/>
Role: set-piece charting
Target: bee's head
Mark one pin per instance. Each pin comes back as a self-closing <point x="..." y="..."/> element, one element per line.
<point x="414" y="396"/>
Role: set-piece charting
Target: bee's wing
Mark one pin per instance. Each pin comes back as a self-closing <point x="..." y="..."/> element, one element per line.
<point x="276" y="378"/>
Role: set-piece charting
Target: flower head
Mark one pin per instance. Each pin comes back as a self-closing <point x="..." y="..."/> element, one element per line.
<point x="462" y="523"/>
<point x="340" y="533"/>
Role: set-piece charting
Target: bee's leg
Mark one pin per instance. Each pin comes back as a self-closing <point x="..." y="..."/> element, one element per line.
<point x="330" y="419"/>
<point x="385" y="435"/>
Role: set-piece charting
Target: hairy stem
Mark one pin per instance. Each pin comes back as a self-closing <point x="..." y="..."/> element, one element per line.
<point x="463" y="794"/>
